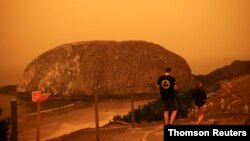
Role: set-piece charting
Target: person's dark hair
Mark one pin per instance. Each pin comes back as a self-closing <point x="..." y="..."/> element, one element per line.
<point x="168" y="69"/>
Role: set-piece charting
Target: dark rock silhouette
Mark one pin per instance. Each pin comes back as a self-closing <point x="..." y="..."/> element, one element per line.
<point x="235" y="69"/>
<point x="110" y="67"/>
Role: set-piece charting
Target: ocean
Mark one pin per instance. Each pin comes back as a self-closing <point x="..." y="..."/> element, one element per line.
<point x="26" y="106"/>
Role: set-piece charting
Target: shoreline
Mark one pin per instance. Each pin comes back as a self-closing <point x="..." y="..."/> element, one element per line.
<point x="64" y="121"/>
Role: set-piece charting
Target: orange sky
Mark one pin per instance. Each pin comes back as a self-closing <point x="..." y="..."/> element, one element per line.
<point x="207" y="33"/>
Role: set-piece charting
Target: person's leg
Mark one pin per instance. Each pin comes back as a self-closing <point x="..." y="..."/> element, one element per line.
<point x="173" y="108"/>
<point x="166" y="117"/>
<point x="200" y="118"/>
<point x="173" y="115"/>
<point x="200" y="114"/>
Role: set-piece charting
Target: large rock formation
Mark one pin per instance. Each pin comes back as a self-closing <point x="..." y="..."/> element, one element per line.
<point x="235" y="69"/>
<point x="108" y="67"/>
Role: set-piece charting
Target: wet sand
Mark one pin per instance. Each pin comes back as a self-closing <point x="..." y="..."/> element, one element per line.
<point x="54" y="124"/>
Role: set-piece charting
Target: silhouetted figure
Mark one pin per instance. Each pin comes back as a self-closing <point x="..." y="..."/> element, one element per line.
<point x="199" y="97"/>
<point x="167" y="85"/>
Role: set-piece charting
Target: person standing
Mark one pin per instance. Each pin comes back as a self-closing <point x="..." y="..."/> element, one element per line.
<point x="167" y="85"/>
<point x="199" y="97"/>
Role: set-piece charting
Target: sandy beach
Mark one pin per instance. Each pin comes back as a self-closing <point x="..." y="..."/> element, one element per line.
<point x="55" y="123"/>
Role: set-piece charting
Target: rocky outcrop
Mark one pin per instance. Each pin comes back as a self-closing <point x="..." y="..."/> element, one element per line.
<point x="106" y="67"/>
<point x="235" y="69"/>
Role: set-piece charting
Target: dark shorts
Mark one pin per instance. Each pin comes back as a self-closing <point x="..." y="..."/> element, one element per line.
<point x="169" y="104"/>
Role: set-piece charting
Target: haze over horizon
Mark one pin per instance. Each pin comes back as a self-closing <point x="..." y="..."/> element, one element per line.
<point x="208" y="34"/>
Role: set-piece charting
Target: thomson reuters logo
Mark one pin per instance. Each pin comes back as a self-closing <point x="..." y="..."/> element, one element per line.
<point x="165" y="84"/>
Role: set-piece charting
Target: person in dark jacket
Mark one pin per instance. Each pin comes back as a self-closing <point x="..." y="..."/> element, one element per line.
<point x="199" y="97"/>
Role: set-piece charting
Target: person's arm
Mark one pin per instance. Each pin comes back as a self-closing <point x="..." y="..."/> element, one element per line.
<point x="175" y="87"/>
<point x="192" y="94"/>
<point x="159" y="81"/>
<point x="204" y="95"/>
